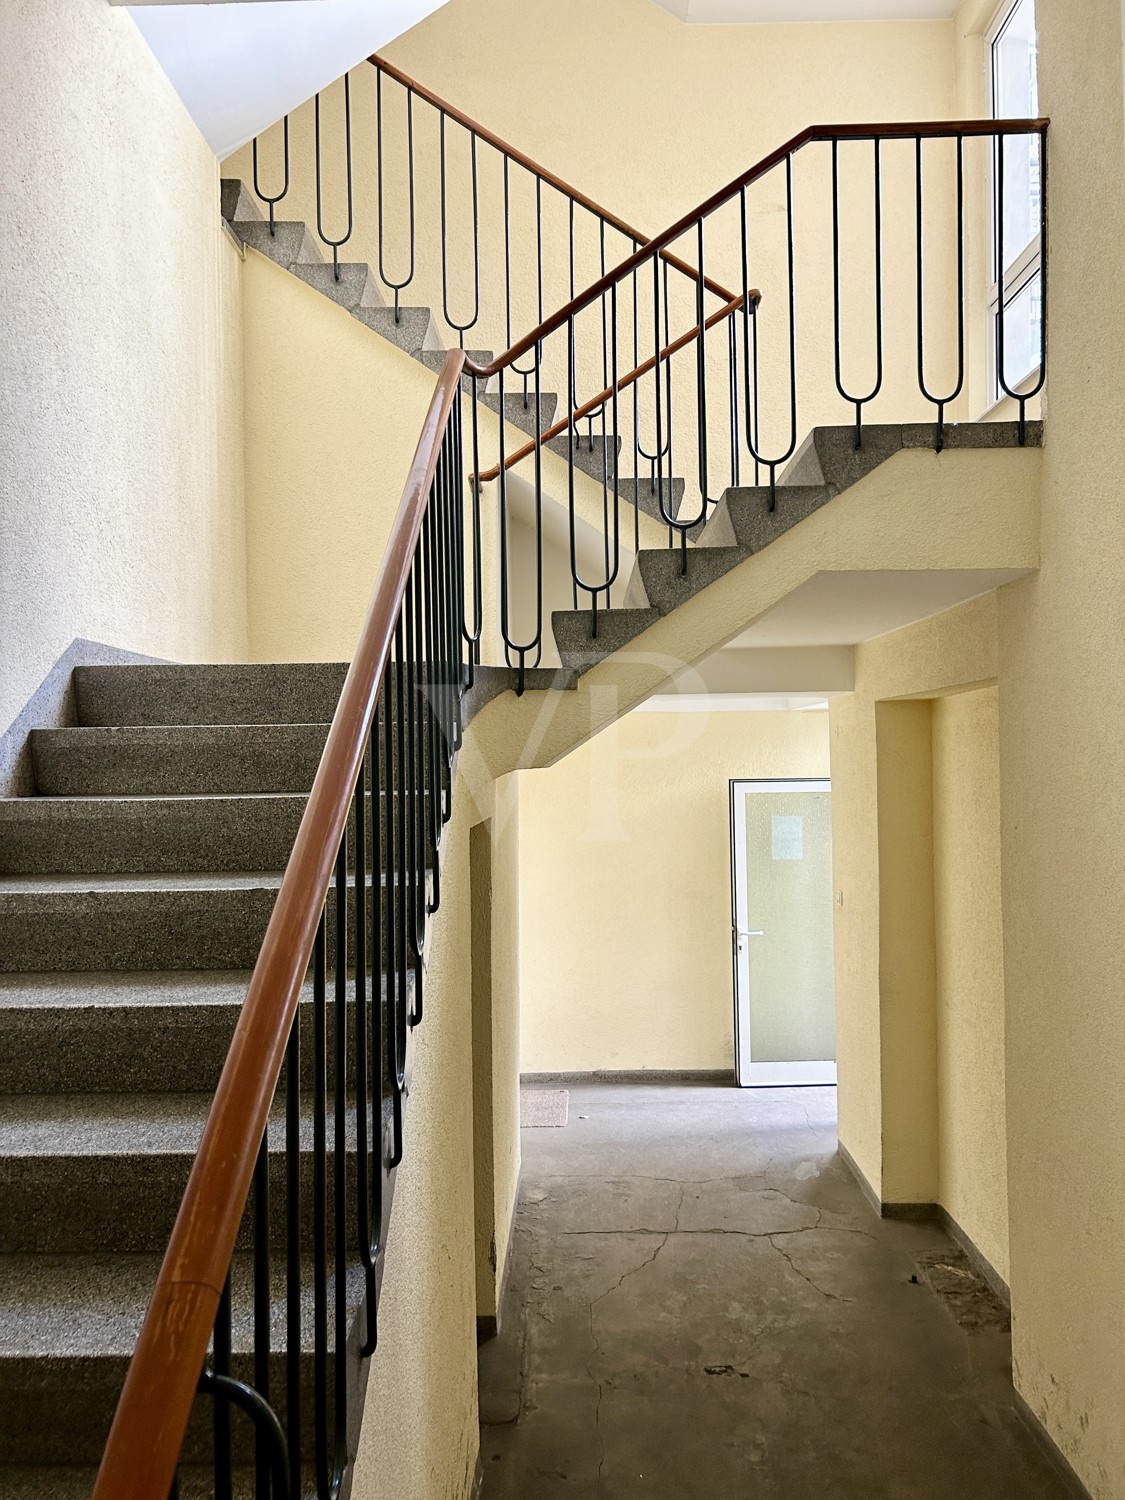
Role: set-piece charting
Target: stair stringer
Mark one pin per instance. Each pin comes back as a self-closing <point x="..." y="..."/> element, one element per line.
<point x="962" y="509"/>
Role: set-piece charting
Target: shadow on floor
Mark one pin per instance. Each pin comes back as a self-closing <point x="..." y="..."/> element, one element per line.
<point x="701" y="1303"/>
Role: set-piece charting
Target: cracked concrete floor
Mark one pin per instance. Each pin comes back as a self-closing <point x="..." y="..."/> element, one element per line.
<point x="701" y="1303"/>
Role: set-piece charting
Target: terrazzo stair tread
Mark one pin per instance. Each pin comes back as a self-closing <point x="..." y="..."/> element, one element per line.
<point x="78" y="1033"/>
<point x="155" y="835"/>
<point x="597" y="461"/>
<point x="522" y="416"/>
<point x="412" y="331"/>
<point x="120" y="835"/>
<point x="580" y="650"/>
<point x="666" y="577"/>
<point x="176" y="760"/>
<point x="71" y="1324"/>
<point x="71" y="1482"/>
<point x="745" y="515"/>
<point x="829" y="455"/>
<point x="490" y="682"/>
<point x="219" y="693"/>
<point x="350" y="284"/>
<point x="106" y="1172"/>
<point x="292" y="242"/>
<point x="149" y="922"/>
<point x="237" y="202"/>
<point x="646" y="494"/>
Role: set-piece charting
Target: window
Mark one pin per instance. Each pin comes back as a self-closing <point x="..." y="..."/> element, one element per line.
<point x="1016" y="295"/>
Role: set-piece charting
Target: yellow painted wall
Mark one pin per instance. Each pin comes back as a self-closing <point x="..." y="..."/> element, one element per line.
<point x="882" y="834"/>
<point x="333" y="414"/>
<point x="969" y="969"/>
<point x="1062" y="808"/>
<point x="625" y="888"/>
<point x="419" y="1437"/>
<point x="120" y="382"/>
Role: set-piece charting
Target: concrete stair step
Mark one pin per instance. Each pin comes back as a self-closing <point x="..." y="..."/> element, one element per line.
<point x="177" y="760"/>
<point x="291" y="244"/>
<point x="521" y="414"/>
<point x="412" y="330"/>
<point x="351" y="284"/>
<point x="122" y="835"/>
<point x="71" y="1323"/>
<point x="149" y="922"/>
<point x="647" y="494"/>
<point x="76" y="1482"/>
<point x="218" y="693"/>
<point x="578" y="647"/>
<point x="594" y="456"/>
<point x="85" y="1033"/>
<point x="829" y="454"/>
<point x="106" y="1172"/>
<point x="743" y="517"/>
<point x="666" y="577"/>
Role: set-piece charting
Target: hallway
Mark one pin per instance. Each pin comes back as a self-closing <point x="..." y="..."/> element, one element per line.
<point x="702" y="1304"/>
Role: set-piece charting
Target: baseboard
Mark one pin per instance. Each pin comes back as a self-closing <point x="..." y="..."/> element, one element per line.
<point x="488" y="1326"/>
<point x="930" y="1213"/>
<point x="980" y="1263"/>
<point x="1051" y="1450"/>
<point x="633" y="1075"/>
<point x="52" y="706"/>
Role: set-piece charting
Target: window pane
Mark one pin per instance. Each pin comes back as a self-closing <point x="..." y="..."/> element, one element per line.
<point x="1023" y="319"/>
<point x="1015" y="95"/>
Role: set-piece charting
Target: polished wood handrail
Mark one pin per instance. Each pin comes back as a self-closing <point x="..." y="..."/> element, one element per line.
<point x="543" y="173"/>
<point x="152" y="1413"/>
<point x="900" y="131"/>
<point x="486" y="475"/>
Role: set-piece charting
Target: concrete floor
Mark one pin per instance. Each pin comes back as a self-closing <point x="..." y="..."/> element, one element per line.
<point x="702" y="1303"/>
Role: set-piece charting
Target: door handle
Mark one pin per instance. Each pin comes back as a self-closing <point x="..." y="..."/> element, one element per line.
<point x="756" y="932"/>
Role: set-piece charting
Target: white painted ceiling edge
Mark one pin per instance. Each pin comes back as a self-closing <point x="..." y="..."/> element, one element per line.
<point x="239" y="67"/>
<point x="743" y="12"/>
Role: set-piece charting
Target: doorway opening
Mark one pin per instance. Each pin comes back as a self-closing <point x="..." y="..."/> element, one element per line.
<point x="781" y="933"/>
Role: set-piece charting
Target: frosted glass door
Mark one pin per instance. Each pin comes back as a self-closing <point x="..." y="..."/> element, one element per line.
<point x="785" y="1012"/>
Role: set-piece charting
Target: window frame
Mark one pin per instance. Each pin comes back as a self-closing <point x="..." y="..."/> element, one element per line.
<point x="1027" y="264"/>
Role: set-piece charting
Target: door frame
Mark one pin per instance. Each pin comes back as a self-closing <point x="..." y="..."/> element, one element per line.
<point x="747" y="1073"/>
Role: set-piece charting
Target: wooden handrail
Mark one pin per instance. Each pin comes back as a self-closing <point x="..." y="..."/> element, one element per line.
<point x="753" y="298"/>
<point x="543" y="173"/>
<point x="152" y="1413"/>
<point x="911" y="130"/>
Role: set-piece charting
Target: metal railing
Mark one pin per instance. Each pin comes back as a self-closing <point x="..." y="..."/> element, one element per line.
<point x="364" y="876"/>
<point x="355" y="902"/>
<point x="715" y="429"/>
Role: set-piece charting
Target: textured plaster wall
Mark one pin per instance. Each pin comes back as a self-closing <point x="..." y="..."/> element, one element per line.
<point x="121" y="482"/>
<point x="969" y="969"/>
<point x="419" y="1437"/>
<point x="333" y="415"/>
<point x="886" y="1063"/>
<point x="625" y="888"/>
<point x="1062" y="707"/>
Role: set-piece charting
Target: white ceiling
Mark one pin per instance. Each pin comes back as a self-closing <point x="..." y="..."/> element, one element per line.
<point x="240" y="67"/>
<point x="728" y="12"/>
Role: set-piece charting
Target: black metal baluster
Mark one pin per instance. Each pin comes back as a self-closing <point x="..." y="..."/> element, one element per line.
<point x="339" y="1460"/>
<point x="773" y="464"/>
<point x="396" y="286"/>
<point x="701" y="395"/>
<point x="363" y="1171"/>
<point x="334" y="244"/>
<point x="273" y="201"/>
<point x="293" y="1288"/>
<point x="263" y="1455"/>
<point x="732" y="370"/>
<point x="220" y="1416"/>
<point x="459" y="328"/>
<point x="858" y="401"/>
<point x="1020" y="397"/>
<point x="320" y="1211"/>
<point x="941" y="402"/>
<point x="401" y="875"/>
